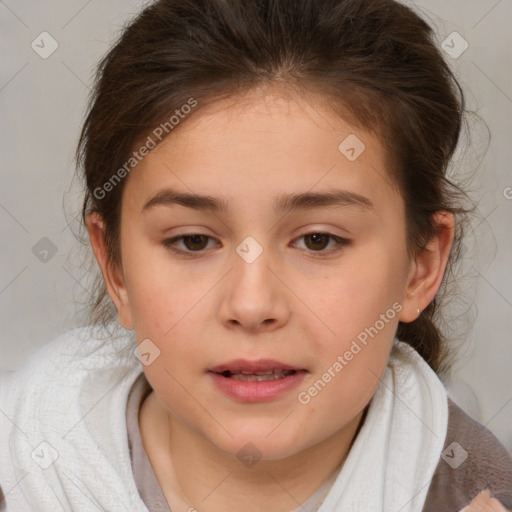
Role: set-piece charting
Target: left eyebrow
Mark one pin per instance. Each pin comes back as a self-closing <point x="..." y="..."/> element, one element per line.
<point x="283" y="203"/>
<point x="310" y="200"/>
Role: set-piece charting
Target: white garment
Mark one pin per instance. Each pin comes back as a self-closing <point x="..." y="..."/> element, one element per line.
<point x="396" y="452"/>
<point x="71" y="396"/>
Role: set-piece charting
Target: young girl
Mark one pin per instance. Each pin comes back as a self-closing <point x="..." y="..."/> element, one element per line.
<point x="267" y="200"/>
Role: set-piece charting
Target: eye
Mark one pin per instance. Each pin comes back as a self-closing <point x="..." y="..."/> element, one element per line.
<point x="197" y="243"/>
<point x="317" y="242"/>
<point x="192" y="243"/>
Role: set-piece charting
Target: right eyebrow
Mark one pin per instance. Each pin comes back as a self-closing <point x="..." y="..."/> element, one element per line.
<point x="169" y="197"/>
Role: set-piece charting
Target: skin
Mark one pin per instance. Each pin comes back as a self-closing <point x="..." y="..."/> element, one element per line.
<point x="291" y="304"/>
<point x="484" y="503"/>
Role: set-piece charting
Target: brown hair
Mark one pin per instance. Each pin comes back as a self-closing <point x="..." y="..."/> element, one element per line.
<point x="375" y="60"/>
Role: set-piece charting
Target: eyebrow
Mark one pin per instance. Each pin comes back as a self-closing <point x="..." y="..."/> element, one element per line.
<point x="283" y="203"/>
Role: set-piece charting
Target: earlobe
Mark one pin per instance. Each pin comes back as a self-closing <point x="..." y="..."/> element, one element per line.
<point x="112" y="274"/>
<point x="428" y="268"/>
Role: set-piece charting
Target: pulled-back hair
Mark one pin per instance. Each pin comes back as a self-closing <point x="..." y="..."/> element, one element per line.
<point x="375" y="61"/>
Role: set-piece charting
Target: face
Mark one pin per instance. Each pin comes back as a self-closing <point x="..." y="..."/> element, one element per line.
<point x="270" y="298"/>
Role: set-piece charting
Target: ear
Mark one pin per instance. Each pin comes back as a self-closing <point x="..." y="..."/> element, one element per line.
<point x="112" y="274"/>
<point x="428" y="268"/>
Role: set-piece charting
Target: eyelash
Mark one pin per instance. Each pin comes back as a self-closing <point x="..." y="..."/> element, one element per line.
<point x="340" y="244"/>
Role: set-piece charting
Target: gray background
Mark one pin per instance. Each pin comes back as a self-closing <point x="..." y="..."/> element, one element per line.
<point x="43" y="102"/>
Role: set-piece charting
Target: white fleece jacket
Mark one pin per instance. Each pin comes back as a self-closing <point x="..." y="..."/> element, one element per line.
<point x="63" y="436"/>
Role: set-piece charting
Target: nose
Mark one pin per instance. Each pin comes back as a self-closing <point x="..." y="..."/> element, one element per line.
<point x="254" y="299"/>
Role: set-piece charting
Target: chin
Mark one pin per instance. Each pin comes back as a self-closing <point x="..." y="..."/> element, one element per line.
<point x="260" y="443"/>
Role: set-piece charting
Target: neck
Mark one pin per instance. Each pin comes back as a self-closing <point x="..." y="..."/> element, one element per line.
<point x="195" y="474"/>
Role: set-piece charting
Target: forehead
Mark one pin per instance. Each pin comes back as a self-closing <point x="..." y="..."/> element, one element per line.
<point x="264" y="145"/>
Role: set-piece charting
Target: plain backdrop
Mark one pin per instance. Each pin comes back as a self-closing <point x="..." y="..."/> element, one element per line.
<point x="43" y="101"/>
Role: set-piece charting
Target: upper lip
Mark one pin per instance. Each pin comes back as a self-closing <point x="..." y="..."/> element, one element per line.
<point x="244" y="365"/>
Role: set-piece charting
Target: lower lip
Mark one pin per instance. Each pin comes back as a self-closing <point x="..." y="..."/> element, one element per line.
<point x="257" y="391"/>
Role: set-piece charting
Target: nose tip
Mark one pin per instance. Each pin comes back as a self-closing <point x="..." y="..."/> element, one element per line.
<point x="254" y="298"/>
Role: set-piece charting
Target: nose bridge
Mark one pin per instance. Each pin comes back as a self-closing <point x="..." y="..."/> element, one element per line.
<point x="254" y="297"/>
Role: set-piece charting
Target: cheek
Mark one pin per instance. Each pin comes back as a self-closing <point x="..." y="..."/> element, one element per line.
<point x="354" y="295"/>
<point x="347" y="376"/>
<point x="359" y="309"/>
<point x="159" y="293"/>
<point x="170" y="309"/>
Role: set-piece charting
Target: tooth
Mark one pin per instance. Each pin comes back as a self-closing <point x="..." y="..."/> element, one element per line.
<point x="248" y="372"/>
<point x="261" y="376"/>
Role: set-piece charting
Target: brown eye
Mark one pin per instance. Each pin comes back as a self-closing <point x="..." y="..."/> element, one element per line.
<point x="196" y="242"/>
<point x="319" y="241"/>
<point x="323" y="243"/>
<point x="187" y="244"/>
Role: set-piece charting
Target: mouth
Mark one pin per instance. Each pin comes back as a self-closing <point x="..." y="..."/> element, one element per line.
<point x="249" y="376"/>
<point x="255" y="371"/>
<point x="252" y="381"/>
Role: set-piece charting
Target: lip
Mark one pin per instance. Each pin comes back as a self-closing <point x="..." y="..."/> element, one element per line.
<point x="255" y="391"/>
<point x="260" y="365"/>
